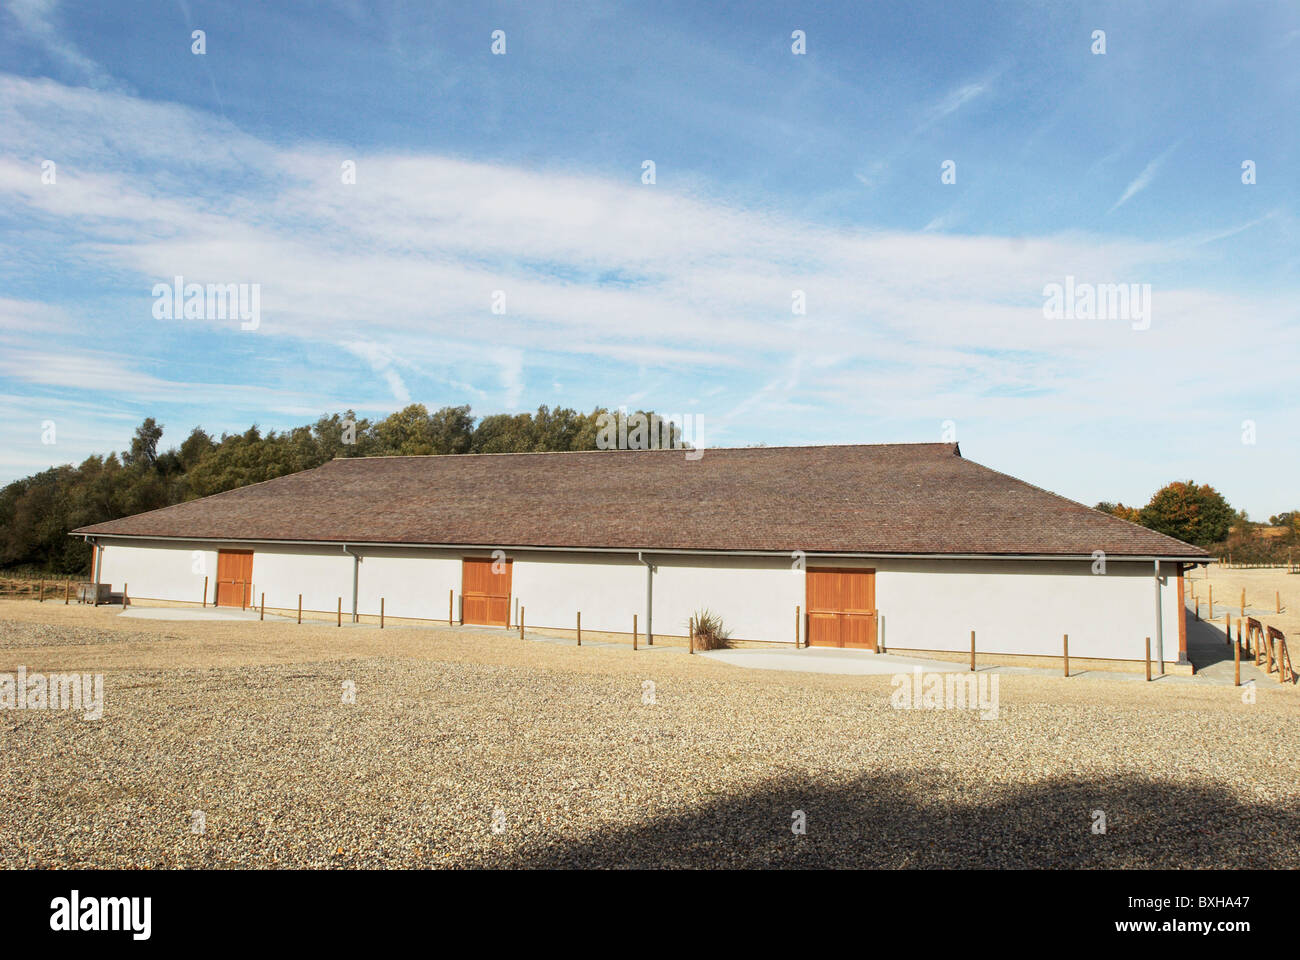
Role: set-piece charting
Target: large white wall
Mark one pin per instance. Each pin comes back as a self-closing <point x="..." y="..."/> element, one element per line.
<point x="1025" y="607"/>
<point x="754" y="596"/>
<point x="159" y="570"/>
<point x="1015" y="607"/>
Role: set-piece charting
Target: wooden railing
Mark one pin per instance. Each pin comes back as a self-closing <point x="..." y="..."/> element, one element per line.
<point x="1268" y="646"/>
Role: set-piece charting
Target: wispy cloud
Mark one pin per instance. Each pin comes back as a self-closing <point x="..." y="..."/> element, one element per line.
<point x="1143" y="179"/>
<point x="38" y="20"/>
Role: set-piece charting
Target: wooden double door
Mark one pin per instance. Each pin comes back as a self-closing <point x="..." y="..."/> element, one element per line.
<point x="234" y="578"/>
<point x="841" y="608"/>
<point x="485" y="591"/>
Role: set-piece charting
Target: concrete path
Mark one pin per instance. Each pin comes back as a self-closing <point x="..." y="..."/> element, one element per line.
<point x="822" y="660"/>
<point x="186" y="613"/>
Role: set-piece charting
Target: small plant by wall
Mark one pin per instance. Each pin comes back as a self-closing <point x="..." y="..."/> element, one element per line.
<point x="710" y="632"/>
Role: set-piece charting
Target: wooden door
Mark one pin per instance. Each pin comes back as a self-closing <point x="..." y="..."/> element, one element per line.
<point x="842" y="608"/>
<point x="485" y="593"/>
<point x="234" y="578"/>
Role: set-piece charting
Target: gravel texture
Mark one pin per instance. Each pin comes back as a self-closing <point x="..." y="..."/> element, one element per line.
<point x="469" y="749"/>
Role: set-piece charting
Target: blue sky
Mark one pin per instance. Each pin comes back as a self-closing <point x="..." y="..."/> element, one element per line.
<point x="775" y="172"/>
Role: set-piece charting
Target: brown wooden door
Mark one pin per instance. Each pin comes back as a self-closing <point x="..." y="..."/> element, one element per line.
<point x="842" y="608"/>
<point x="234" y="578"/>
<point x="485" y="595"/>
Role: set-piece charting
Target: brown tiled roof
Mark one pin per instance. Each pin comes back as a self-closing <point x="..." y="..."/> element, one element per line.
<point x="882" y="498"/>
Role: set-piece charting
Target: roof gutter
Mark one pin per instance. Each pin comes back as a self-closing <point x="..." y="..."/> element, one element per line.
<point x="629" y="551"/>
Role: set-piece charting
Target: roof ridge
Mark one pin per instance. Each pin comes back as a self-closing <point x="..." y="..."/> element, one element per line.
<point x="523" y="453"/>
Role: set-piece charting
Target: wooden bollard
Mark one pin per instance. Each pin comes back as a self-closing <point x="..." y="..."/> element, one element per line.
<point x="579" y="628"/>
<point x="451" y="605"/>
<point x="691" y="638"/>
<point x="40" y="595"/>
<point x="1243" y="601"/>
<point x="67" y="591"/>
<point x="972" y="650"/>
<point x="300" y="608"/>
<point x="1065" y="652"/>
<point x="381" y="613"/>
<point x="634" y="631"/>
<point x="1148" y="659"/>
<point x="796" y="627"/>
<point x="1236" y="662"/>
<point x="1277" y="601"/>
<point x="205" y="593"/>
<point x="522" y="611"/>
<point x="262" y="613"/>
<point x="1268" y="640"/>
<point x="340" y="623"/>
<point x="124" y="586"/>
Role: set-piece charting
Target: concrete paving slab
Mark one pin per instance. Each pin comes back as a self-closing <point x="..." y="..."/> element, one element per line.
<point x="186" y="613"/>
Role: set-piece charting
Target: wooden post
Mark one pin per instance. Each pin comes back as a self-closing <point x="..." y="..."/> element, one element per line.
<point x="972" y="650"/>
<point x="262" y="614"/>
<point x="300" y="608"/>
<point x="205" y="593"/>
<point x="1268" y="639"/>
<point x="1243" y="601"/>
<point x="1148" y="659"/>
<point x="1277" y="601"/>
<point x="796" y="627"/>
<point x="691" y="641"/>
<point x="634" y="631"/>
<point x="67" y="591"/>
<point x="40" y="596"/>
<point x="451" y="606"/>
<point x="381" y="613"/>
<point x="1236" y="662"/>
<point x="243" y="595"/>
<point x="124" y="586"/>
<point x="340" y="623"/>
<point x="1065" y="654"/>
<point x="1198" y="609"/>
<point x="522" y="611"/>
<point x="579" y="628"/>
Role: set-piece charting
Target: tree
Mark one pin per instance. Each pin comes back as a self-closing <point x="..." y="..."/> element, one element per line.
<point x="1131" y="514"/>
<point x="1196" y="514"/>
<point x="144" y="445"/>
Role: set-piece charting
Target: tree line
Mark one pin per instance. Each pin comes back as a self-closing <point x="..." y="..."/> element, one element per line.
<point x="1199" y="514"/>
<point x="37" y="512"/>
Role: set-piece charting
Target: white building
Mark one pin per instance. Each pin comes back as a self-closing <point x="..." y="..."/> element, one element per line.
<point x="905" y="545"/>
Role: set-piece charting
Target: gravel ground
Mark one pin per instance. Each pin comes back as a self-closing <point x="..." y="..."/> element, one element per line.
<point x="470" y="749"/>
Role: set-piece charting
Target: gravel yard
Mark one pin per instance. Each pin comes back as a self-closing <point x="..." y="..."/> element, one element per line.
<point x="475" y="749"/>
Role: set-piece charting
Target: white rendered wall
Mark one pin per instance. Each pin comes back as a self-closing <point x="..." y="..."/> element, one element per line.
<point x="1024" y="607"/>
<point x="159" y="570"/>
<point x="754" y="596"/>
<point x="1014" y="606"/>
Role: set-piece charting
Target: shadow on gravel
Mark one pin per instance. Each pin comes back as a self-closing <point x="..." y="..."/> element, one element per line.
<point x="889" y="822"/>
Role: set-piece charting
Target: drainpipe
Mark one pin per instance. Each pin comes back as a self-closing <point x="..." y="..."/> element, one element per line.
<point x="1160" y="628"/>
<point x="649" y="599"/>
<point x="94" y="563"/>
<point x="356" y="563"/>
